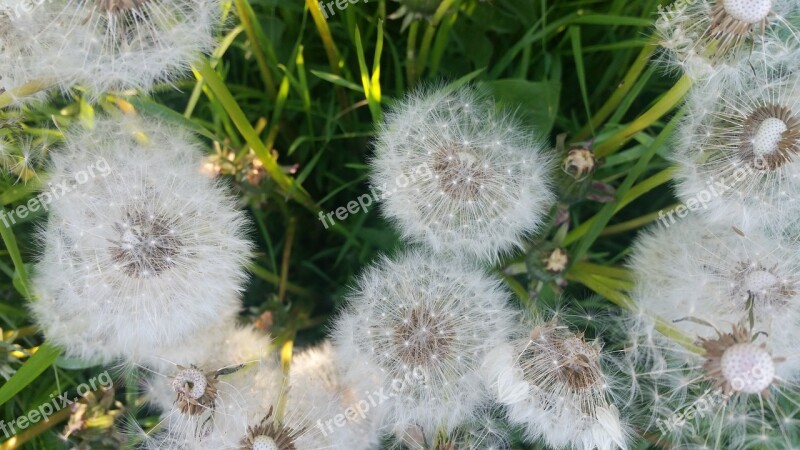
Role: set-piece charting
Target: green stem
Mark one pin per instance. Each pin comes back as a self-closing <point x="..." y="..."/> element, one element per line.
<point x="638" y="222"/>
<point x="664" y="105"/>
<point x="637" y="191"/>
<point x="411" y="53"/>
<point x="599" y="286"/>
<point x="251" y="27"/>
<point x="623" y="88"/>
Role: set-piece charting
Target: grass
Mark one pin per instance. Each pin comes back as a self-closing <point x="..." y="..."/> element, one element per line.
<point x="303" y="93"/>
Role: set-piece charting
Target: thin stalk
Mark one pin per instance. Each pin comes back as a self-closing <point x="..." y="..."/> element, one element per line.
<point x="664" y="105"/>
<point x="287" y="254"/>
<point x="26" y="436"/>
<point x="411" y="53"/>
<point x="638" y="222"/>
<point x="286" y="363"/>
<point x="598" y="285"/>
<point x="637" y="191"/>
<point x="246" y="15"/>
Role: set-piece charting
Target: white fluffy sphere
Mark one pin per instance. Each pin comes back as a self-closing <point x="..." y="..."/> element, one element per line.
<point x="423" y="325"/>
<point x="712" y="273"/>
<point x="459" y="175"/>
<point x="140" y="249"/>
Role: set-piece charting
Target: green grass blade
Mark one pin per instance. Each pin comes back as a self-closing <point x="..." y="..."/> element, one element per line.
<point x="44" y="357"/>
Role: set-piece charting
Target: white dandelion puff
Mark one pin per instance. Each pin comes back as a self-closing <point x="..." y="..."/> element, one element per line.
<point x="347" y="414"/>
<point x="694" y="270"/>
<point x="738" y="146"/>
<point x="105" y="44"/>
<point x="559" y="386"/>
<point x="423" y="326"/>
<point x="459" y="175"/>
<point x="704" y="38"/>
<point x="140" y="249"/>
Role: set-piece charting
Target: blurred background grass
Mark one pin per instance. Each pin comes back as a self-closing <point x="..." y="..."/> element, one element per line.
<point x="287" y="106"/>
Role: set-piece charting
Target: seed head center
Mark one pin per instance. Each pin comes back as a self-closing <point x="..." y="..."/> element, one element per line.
<point x="748" y="11"/>
<point x="760" y="281"/>
<point x="147" y="244"/>
<point x="264" y="443"/>
<point x="748" y="368"/>
<point x="768" y="136"/>
<point x="423" y="338"/>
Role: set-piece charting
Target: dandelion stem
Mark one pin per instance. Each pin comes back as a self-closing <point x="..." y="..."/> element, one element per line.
<point x="637" y="191"/>
<point x="254" y="33"/>
<point x="637" y="222"/>
<point x="599" y="285"/>
<point x="664" y="105"/>
<point x="286" y="363"/>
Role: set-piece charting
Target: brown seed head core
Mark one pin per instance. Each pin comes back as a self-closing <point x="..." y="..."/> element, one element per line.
<point x="461" y="173"/>
<point x="728" y="31"/>
<point x="119" y="6"/>
<point x="423" y="337"/>
<point x="282" y="436"/>
<point x="715" y="351"/>
<point x="196" y="391"/>
<point x="780" y="152"/>
<point x="762" y="285"/>
<point x="147" y="244"/>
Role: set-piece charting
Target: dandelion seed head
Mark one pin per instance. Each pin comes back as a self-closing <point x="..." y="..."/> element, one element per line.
<point x="463" y="176"/>
<point x="425" y="324"/>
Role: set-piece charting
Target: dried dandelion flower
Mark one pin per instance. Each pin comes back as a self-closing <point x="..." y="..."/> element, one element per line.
<point x="196" y="391"/>
<point x="732" y="396"/>
<point x="703" y="36"/>
<point x="560" y="387"/>
<point x="141" y="250"/>
<point x="459" y="175"/>
<point x="423" y="326"/>
<point x="694" y="270"/>
<point x="738" y="146"/>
